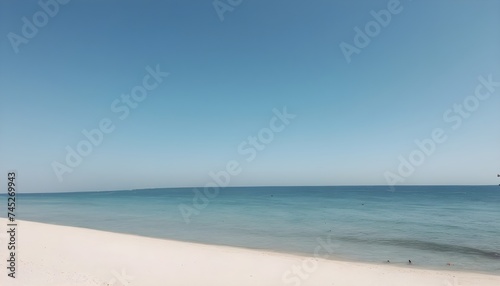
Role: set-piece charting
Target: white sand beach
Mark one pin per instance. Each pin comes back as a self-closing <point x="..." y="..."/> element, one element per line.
<point x="59" y="255"/>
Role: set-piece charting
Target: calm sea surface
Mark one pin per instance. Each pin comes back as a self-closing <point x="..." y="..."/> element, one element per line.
<point x="431" y="225"/>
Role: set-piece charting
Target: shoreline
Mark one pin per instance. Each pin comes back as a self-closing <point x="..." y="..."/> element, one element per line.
<point x="304" y="255"/>
<point x="64" y="255"/>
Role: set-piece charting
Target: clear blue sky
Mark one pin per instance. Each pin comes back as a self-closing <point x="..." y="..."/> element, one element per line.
<point x="353" y="119"/>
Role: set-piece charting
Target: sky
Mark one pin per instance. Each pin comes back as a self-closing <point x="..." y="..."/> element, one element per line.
<point x="220" y="72"/>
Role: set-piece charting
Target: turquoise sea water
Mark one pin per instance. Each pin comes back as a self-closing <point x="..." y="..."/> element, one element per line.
<point x="431" y="225"/>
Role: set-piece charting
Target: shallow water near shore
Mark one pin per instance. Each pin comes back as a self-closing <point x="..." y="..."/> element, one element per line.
<point x="431" y="225"/>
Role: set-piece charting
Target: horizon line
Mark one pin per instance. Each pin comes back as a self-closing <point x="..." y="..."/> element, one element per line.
<point x="257" y="186"/>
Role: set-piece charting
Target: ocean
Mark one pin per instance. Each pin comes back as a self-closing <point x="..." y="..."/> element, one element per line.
<point x="429" y="225"/>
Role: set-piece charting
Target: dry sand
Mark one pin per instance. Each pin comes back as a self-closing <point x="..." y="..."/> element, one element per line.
<point x="60" y="255"/>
